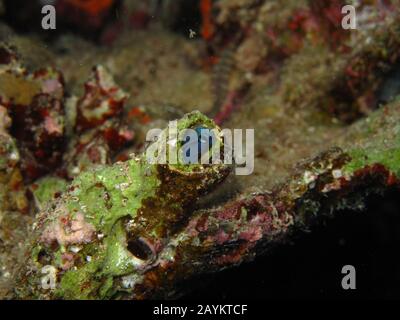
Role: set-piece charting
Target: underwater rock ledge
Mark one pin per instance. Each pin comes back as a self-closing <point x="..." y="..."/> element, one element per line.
<point x="146" y="249"/>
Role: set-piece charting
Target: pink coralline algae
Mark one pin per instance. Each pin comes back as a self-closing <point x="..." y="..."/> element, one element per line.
<point x="66" y="230"/>
<point x="102" y="100"/>
<point x="102" y="131"/>
<point x="38" y="116"/>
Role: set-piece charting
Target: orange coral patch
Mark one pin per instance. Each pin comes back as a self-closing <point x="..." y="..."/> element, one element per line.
<point x="92" y="7"/>
<point x="207" y="29"/>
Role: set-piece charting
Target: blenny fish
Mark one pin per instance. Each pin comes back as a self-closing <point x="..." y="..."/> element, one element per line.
<point x="113" y="225"/>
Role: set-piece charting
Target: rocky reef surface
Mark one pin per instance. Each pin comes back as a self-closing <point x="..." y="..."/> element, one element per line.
<point x="83" y="215"/>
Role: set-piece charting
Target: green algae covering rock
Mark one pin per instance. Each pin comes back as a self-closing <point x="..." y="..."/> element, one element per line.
<point x="113" y="224"/>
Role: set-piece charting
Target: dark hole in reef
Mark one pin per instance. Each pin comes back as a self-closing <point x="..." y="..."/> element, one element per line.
<point x="139" y="248"/>
<point x="43" y="257"/>
<point x="311" y="267"/>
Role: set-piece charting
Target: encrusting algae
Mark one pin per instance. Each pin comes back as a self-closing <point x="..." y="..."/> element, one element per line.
<point x="114" y="224"/>
<point x="84" y="214"/>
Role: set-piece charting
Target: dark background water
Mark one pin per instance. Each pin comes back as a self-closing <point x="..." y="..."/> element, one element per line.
<point x="311" y="267"/>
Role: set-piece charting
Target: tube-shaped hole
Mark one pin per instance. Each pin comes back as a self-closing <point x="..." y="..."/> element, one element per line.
<point x="43" y="257"/>
<point x="139" y="248"/>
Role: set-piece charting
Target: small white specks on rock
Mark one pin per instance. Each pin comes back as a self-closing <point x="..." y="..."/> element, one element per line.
<point x="337" y="174"/>
<point x="75" y="249"/>
<point x="76" y="170"/>
<point x="14" y="156"/>
<point x="128" y="282"/>
<point x="130" y="224"/>
<point x="309" y="177"/>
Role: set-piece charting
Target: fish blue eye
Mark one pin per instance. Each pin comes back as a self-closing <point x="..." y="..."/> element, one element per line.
<point x="206" y="138"/>
<point x="195" y="146"/>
